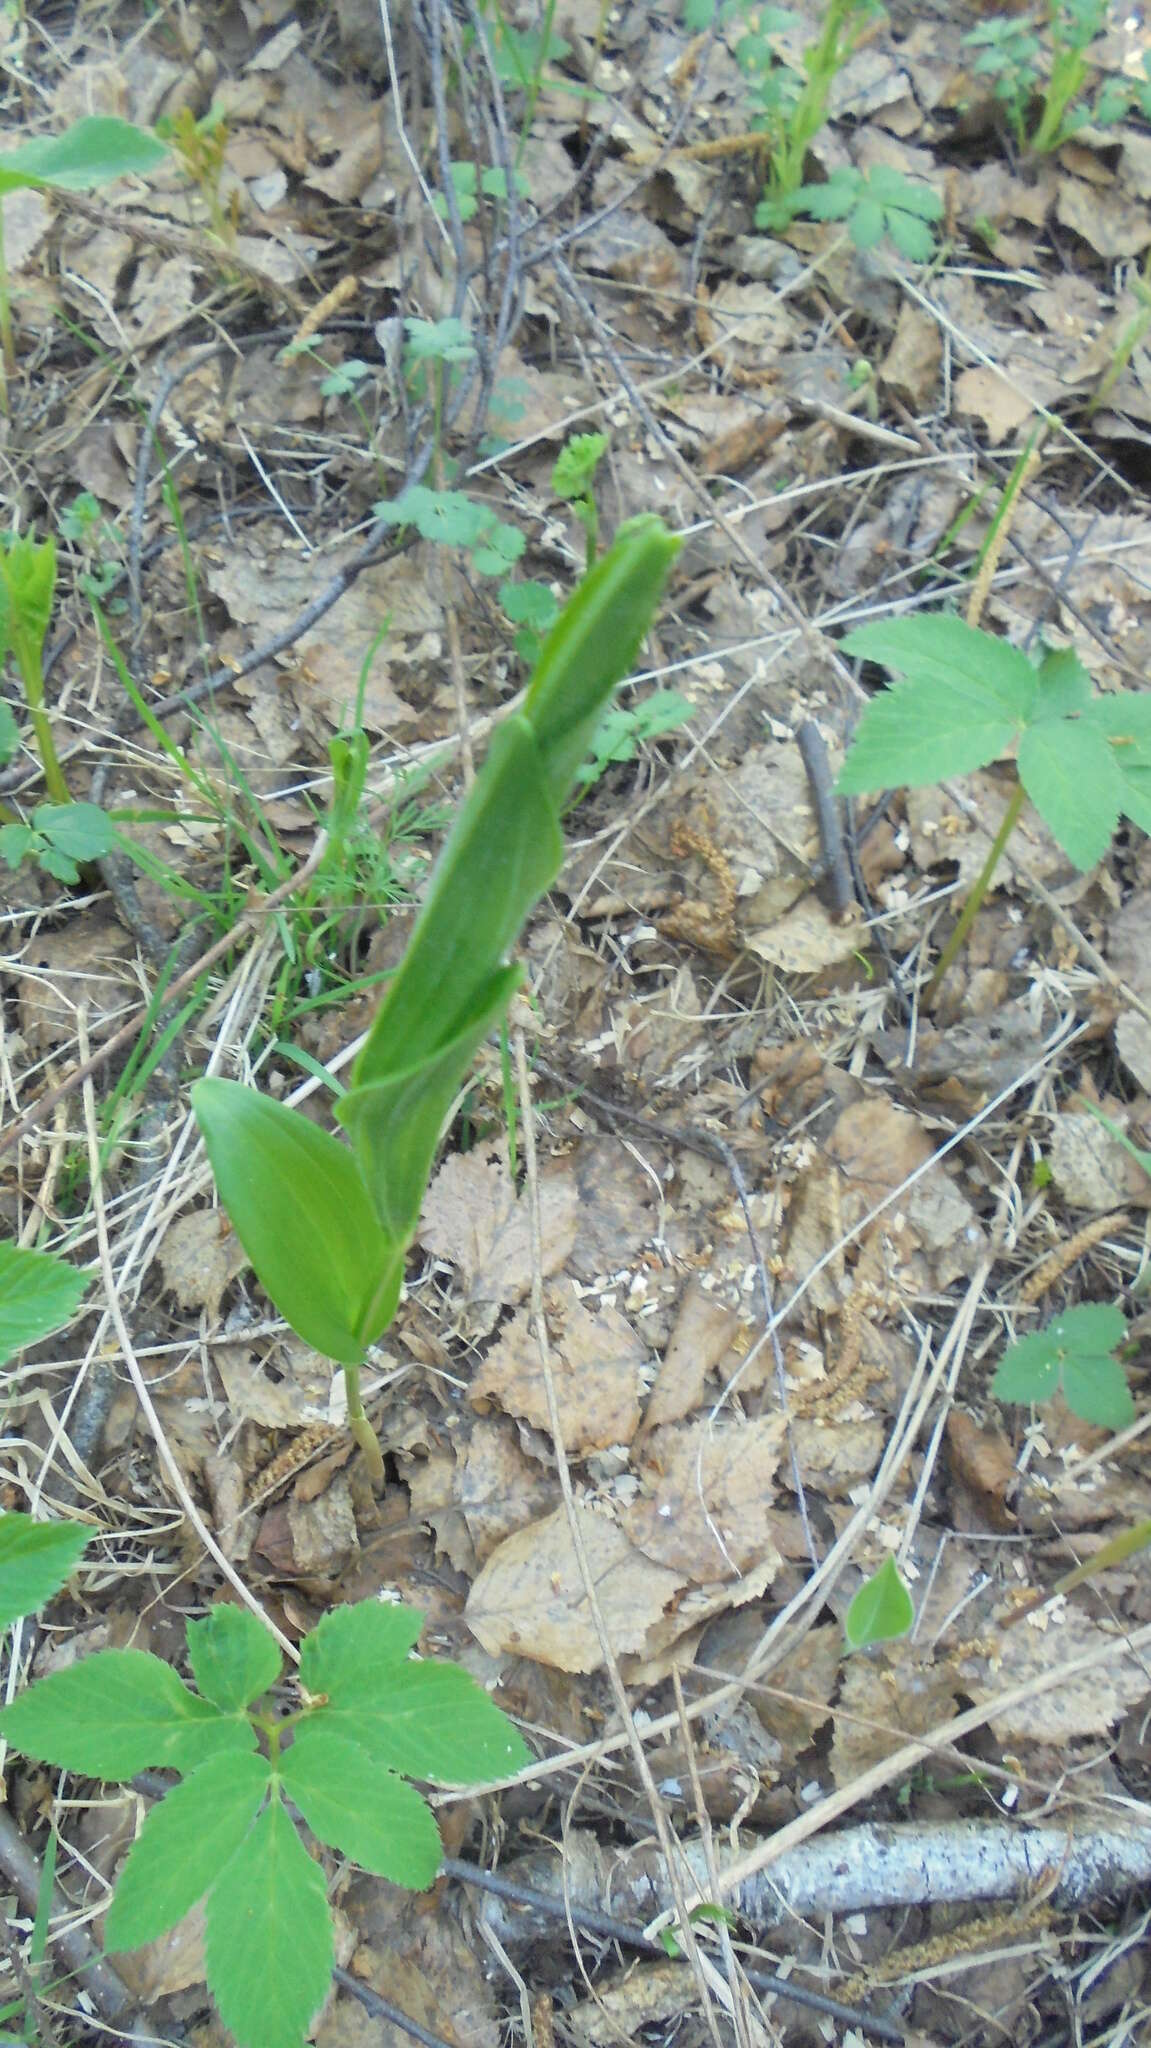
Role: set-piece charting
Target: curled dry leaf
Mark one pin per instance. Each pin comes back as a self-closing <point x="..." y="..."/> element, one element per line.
<point x="702" y="1336"/>
<point x="199" y="1256"/>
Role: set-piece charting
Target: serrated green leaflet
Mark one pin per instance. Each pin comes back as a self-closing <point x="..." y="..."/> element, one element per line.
<point x="1069" y="771"/>
<point x="367" y="1814"/>
<point x="269" y="1936"/>
<point x="234" y="1658"/>
<point x="301" y="1212"/>
<point x="186" y="1843"/>
<point x="118" y="1713"/>
<point x="428" y="1721"/>
<point x="350" y="1642"/>
<point x="37" y="1294"/>
<point x="35" y="1560"/>
<point x="881" y="1610"/>
<point x="966" y="698"/>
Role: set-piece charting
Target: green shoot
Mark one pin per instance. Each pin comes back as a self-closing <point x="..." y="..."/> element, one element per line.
<point x="326" y="1227"/>
<point x="881" y="1611"/>
<point x="1009" y="54"/>
<point x="90" y="153"/>
<point x="27" y="588"/>
<point x="1076" y="1352"/>
<point x="200" y="147"/>
<point x="368" y="1719"/>
<point x="794" y="118"/>
<point x="873" y="203"/>
<point x="573" y="479"/>
<point x="966" y="698"/>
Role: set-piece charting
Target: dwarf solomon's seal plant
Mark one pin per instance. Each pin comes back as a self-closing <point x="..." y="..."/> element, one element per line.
<point x="327" y="1225"/>
<point x="367" y="1718"/>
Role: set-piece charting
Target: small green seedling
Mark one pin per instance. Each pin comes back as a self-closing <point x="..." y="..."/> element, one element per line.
<point x="27" y="588"/>
<point x="90" y="153"/>
<point x="200" y="147"/>
<point x="470" y="186"/>
<point x="706" y="1914"/>
<point x="792" y="118"/>
<point x="1076" y="1352"/>
<point x="573" y="479"/>
<point x="1009" y="54"/>
<point x="966" y="698"/>
<point x="369" y="1717"/>
<point x="874" y="203"/>
<point x="327" y="1226"/>
<point x="453" y="520"/>
<point x="61" y="839"/>
<point x="534" y="609"/>
<point x="623" y="732"/>
<point x="881" y="1611"/>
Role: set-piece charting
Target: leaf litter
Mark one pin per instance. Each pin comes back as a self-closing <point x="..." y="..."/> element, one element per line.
<point x="853" y="422"/>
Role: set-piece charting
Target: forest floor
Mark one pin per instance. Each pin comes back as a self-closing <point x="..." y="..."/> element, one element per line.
<point x="795" y="1203"/>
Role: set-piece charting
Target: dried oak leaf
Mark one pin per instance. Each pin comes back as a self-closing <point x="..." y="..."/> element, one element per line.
<point x="595" y="1359"/>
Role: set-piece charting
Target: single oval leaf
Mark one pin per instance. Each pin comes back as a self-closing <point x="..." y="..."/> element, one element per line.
<point x="38" y="1293"/>
<point x="881" y="1610"/>
<point x="234" y="1658"/>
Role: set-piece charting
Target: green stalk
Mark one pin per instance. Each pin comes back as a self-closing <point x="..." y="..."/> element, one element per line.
<point x="7" y="341"/>
<point x="361" y="1429"/>
<point x="983" y="882"/>
<point x="54" y="782"/>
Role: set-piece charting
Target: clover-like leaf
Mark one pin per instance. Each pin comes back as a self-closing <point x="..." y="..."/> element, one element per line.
<point x="1075" y="1351"/>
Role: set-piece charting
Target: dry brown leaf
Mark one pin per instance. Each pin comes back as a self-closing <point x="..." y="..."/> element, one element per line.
<point x="911" y="366"/>
<point x="84" y="962"/>
<point x="1092" y="1169"/>
<point x="171" y="1963"/>
<point x="837" y="1455"/>
<point x="883" y="1700"/>
<point x="983" y="1473"/>
<point x="473" y="1217"/>
<point x="1133" y="1043"/>
<point x="983" y="394"/>
<point x="708" y="1495"/>
<point x="1113" y="224"/>
<point x="298" y="1394"/>
<point x="807" y="938"/>
<point x="199" y="1256"/>
<point x="529" y="1598"/>
<point x="1086" y="1703"/>
<point x="703" y="1332"/>
<point x="595" y="1361"/>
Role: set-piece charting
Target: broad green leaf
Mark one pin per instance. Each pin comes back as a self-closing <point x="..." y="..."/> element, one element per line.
<point x="36" y="1558"/>
<point x="82" y="831"/>
<point x="117" y="1713"/>
<point x="881" y="1610"/>
<point x="427" y="1720"/>
<point x="234" y="1658"/>
<point x="88" y="154"/>
<point x="1064" y="685"/>
<point x="356" y="1643"/>
<point x="17" y="842"/>
<point x="1097" y="1389"/>
<point x="966" y="699"/>
<point x="1069" y="771"/>
<point x="1125" y="718"/>
<point x="10" y="731"/>
<point x="302" y="1214"/>
<point x="367" y="1814"/>
<point x="38" y="1293"/>
<point x="529" y="604"/>
<point x="269" y="1936"/>
<point x="184" y="1845"/>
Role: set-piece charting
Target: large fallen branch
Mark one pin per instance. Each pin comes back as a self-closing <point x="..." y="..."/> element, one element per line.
<point x="857" y="1870"/>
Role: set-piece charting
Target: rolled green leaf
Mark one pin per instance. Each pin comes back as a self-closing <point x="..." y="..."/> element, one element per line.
<point x="326" y="1227"/>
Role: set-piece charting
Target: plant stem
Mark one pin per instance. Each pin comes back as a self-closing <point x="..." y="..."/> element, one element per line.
<point x="7" y="342"/>
<point x="32" y="678"/>
<point x="362" y="1432"/>
<point x="983" y="882"/>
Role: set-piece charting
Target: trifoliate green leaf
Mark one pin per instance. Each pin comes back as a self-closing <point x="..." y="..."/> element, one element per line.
<point x="35" y="1560"/>
<point x="185" y="1844"/>
<point x="1076" y="1351"/>
<point x="881" y="1610"/>
<point x="268" y="1947"/>
<point x="234" y="1658"/>
<point x="38" y="1293"/>
<point x="368" y="1814"/>
<point x="117" y="1713"/>
<point x="1070" y="773"/>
